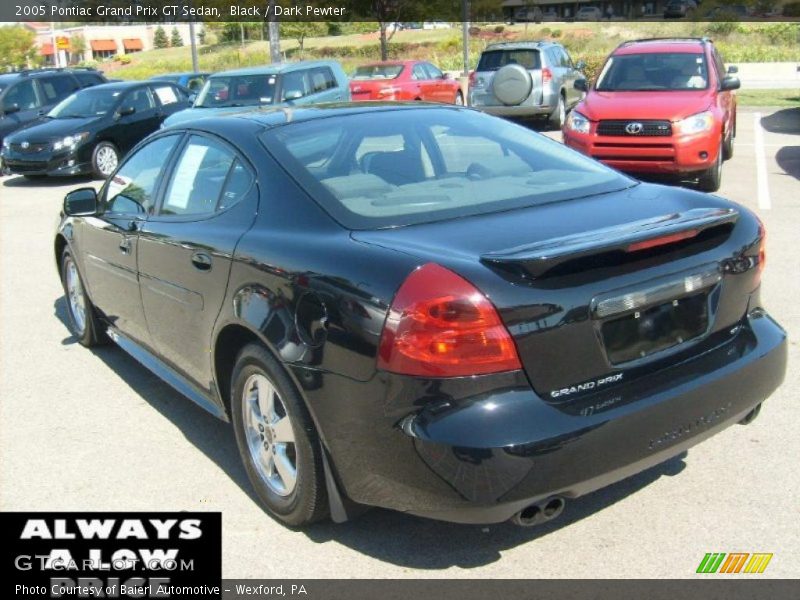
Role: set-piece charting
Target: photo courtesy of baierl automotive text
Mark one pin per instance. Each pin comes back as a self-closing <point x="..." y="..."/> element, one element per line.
<point x="399" y="299"/>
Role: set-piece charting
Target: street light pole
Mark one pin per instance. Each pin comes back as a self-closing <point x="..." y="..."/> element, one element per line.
<point x="465" y="35"/>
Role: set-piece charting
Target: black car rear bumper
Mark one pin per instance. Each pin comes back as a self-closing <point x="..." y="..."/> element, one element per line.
<point x="481" y="449"/>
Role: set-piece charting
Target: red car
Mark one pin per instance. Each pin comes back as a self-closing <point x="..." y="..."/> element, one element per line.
<point x="404" y="80"/>
<point x="662" y="106"/>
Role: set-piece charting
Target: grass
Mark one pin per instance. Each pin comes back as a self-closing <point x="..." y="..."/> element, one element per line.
<point x="739" y="42"/>
<point x="771" y="98"/>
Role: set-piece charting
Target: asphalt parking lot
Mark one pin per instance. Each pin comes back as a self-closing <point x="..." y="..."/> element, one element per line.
<point x="93" y="430"/>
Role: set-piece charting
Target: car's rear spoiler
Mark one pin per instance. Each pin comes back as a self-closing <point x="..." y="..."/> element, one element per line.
<point x="542" y="257"/>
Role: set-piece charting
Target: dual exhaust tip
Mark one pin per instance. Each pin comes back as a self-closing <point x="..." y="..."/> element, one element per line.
<point x="539" y="512"/>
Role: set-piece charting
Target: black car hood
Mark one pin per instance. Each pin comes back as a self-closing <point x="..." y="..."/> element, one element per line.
<point x="45" y="130"/>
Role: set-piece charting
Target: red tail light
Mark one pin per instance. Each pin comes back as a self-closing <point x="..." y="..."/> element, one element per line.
<point x="547" y="75"/>
<point x="471" y="78"/>
<point x="440" y="325"/>
<point x="762" y="249"/>
<point x="664" y="240"/>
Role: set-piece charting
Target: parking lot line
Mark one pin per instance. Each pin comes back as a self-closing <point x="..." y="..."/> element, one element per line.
<point x="764" y="202"/>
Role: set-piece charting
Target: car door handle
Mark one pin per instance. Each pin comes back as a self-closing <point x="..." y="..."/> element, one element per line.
<point x="201" y="261"/>
<point x="125" y="245"/>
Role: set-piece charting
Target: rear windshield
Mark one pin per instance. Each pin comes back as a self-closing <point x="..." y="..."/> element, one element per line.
<point x="243" y="90"/>
<point x="378" y="72"/>
<point x="401" y="167"/>
<point x="493" y="60"/>
<point x="654" y="72"/>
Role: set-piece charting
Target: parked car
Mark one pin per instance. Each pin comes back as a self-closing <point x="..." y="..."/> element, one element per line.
<point x="550" y="14"/>
<point x="26" y="95"/>
<point x="92" y="129"/>
<point x="283" y="84"/>
<point x="435" y="25"/>
<point x="660" y="106"/>
<point x="404" y="80"/>
<point x="679" y="9"/>
<point x="729" y="12"/>
<point x="589" y="13"/>
<point x="190" y="80"/>
<point x="526" y="80"/>
<point x="422" y="307"/>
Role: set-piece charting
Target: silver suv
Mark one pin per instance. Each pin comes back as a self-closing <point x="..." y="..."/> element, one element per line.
<point x="526" y="79"/>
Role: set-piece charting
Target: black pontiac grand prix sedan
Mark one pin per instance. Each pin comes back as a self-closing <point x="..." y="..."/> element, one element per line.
<point x="423" y="307"/>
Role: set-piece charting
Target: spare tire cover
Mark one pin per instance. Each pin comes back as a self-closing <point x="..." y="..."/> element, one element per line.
<point x="512" y="84"/>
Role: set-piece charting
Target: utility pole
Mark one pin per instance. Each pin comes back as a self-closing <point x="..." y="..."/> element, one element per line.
<point x="465" y="35"/>
<point x="193" y="42"/>
<point x="56" y="57"/>
<point x="274" y="35"/>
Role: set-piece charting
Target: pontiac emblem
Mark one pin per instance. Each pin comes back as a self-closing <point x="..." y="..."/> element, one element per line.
<point x="25" y="145"/>
<point x="634" y="128"/>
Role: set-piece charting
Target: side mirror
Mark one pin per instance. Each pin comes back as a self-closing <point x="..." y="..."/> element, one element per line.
<point x="445" y="75"/>
<point x="292" y="95"/>
<point x="81" y="202"/>
<point x="580" y="65"/>
<point x="581" y="85"/>
<point x="730" y="84"/>
<point x="11" y="108"/>
<point x="733" y="69"/>
<point x="124" y="111"/>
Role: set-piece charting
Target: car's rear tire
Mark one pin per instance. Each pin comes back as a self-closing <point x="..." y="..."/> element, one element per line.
<point x="711" y="180"/>
<point x="105" y="159"/>
<point x="82" y="317"/>
<point x="559" y="116"/>
<point x="277" y="440"/>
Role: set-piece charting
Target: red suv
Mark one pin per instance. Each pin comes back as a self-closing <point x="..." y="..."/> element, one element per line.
<point x="659" y="106"/>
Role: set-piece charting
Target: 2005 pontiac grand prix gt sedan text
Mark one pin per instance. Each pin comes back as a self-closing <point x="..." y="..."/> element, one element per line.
<point x="423" y="308"/>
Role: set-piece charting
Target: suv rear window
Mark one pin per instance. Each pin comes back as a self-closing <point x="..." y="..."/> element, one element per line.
<point x="493" y="60"/>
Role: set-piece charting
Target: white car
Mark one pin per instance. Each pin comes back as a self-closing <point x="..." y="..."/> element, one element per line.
<point x="589" y="13"/>
<point x="436" y="25"/>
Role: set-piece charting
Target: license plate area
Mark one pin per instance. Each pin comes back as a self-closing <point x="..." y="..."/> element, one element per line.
<point x="647" y="331"/>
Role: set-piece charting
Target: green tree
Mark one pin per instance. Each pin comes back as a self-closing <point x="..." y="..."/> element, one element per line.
<point x="160" y="38"/>
<point x="77" y="46"/>
<point x="175" y="39"/>
<point x="17" y="47"/>
<point x="300" y="30"/>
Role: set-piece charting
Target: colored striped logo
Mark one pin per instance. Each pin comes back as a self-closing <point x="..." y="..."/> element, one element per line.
<point x="734" y="562"/>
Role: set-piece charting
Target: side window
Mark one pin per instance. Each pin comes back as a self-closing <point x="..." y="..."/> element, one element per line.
<point x="566" y="61"/>
<point x="720" y="64"/>
<point x="199" y="177"/>
<point x="88" y="79"/>
<point x="167" y="94"/>
<point x="131" y="190"/>
<point x="419" y="73"/>
<point x="295" y="85"/>
<point x="57" y="87"/>
<point x="141" y="99"/>
<point x="434" y="72"/>
<point x="322" y="79"/>
<point x="23" y="94"/>
<point x="236" y="186"/>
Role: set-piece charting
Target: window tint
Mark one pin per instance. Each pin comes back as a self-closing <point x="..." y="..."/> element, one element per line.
<point x="434" y="72"/>
<point x="140" y="99"/>
<point x="88" y="79"/>
<point x="57" y="87"/>
<point x="419" y="73"/>
<point x="391" y="168"/>
<point x="322" y="79"/>
<point x="198" y="178"/>
<point x="654" y="71"/>
<point x="294" y="85"/>
<point x="246" y="90"/>
<point x="23" y="95"/>
<point x="496" y="59"/>
<point x="131" y="190"/>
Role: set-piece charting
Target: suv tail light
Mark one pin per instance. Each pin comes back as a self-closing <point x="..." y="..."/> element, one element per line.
<point x="762" y="250"/>
<point x="547" y="75"/>
<point x="440" y="325"/>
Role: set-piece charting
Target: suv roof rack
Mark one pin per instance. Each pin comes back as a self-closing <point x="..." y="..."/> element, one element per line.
<point x="702" y="40"/>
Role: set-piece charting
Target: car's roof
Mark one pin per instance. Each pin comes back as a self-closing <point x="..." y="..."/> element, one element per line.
<point x="278" y="116"/>
<point x="181" y="74"/>
<point x="390" y="63"/>
<point x="688" y="46"/>
<point x="118" y="85"/>
<point x="276" y="68"/>
<point x="519" y="45"/>
<point x="14" y="75"/>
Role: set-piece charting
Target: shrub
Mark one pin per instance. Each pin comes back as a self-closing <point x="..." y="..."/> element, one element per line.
<point x="556" y="33"/>
<point x="474" y="30"/>
<point x="499" y="29"/>
<point x="546" y="32"/>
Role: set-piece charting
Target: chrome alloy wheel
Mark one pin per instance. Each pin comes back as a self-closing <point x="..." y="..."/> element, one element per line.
<point x="106" y="160"/>
<point x="77" y="302"/>
<point x="269" y="433"/>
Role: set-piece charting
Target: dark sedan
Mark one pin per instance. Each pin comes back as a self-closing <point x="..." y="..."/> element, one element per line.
<point x="423" y="308"/>
<point x="89" y="131"/>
